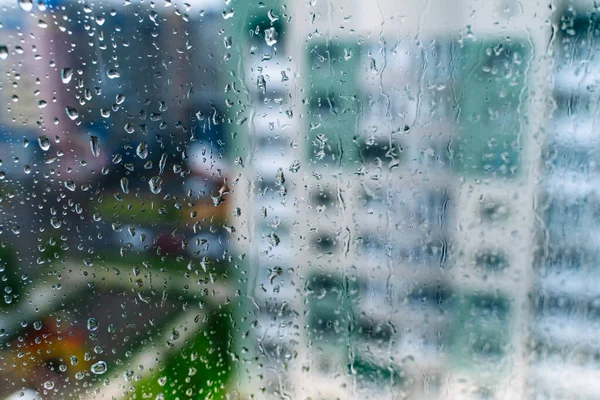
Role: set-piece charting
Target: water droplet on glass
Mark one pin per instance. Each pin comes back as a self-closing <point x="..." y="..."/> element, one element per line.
<point x="69" y="184"/>
<point x="261" y="83"/>
<point x="273" y="239"/>
<point x="37" y="325"/>
<point x="142" y="150"/>
<point x="227" y="42"/>
<point x="129" y="128"/>
<point x="48" y="385"/>
<point x="270" y="36"/>
<point x="228" y="13"/>
<point x="95" y="145"/>
<point x="162" y="163"/>
<point x="279" y="178"/>
<point x="155" y="184"/>
<point x="26" y="5"/>
<point x="113" y="73"/>
<point x="66" y="75"/>
<point x="55" y="222"/>
<point x="44" y="143"/>
<point x="125" y="185"/>
<point x="92" y="324"/>
<point x="295" y="166"/>
<point x="99" y="368"/>
<point x="3" y="52"/>
<point x="72" y="113"/>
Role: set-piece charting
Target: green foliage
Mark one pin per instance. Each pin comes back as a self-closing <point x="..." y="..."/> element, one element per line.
<point x="199" y="370"/>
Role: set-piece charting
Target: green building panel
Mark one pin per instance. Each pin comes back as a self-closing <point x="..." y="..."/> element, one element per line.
<point x="492" y="107"/>
<point x="334" y="102"/>
<point x="479" y="332"/>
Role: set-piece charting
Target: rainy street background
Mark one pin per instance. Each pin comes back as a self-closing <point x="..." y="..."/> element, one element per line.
<point x="303" y="199"/>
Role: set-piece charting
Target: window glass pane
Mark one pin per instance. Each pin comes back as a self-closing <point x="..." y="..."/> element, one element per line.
<point x="274" y="199"/>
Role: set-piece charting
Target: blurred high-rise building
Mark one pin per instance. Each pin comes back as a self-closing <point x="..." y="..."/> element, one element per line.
<point x="412" y="168"/>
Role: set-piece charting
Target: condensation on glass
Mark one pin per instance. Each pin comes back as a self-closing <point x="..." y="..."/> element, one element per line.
<point x="299" y="199"/>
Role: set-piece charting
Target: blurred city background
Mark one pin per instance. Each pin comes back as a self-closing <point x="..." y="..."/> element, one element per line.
<point x="310" y="199"/>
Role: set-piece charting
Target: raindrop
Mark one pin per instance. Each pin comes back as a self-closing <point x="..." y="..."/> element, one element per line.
<point x="99" y="368"/>
<point x="125" y="185"/>
<point x="69" y="184"/>
<point x="72" y="113"/>
<point x="44" y="143"/>
<point x="155" y="184"/>
<point x="227" y="13"/>
<point x="37" y="325"/>
<point x="142" y="150"/>
<point x="112" y="74"/>
<point x="227" y="41"/>
<point x="295" y="166"/>
<point x="162" y="163"/>
<point x="92" y="324"/>
<point x="26" y="5"/>
<point x="270" y="36"/>
<point x="273" y="239"/>
<point x="261" y="83"/>
<point x="129" y="128"/>
<point x="55" y="222"/>
<point x="3" y="52"/>
<point x="279" y="178"/>
<point x="95" y="145"/>
<point x="48" y="385"/>
<point x="66" y="75"/>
